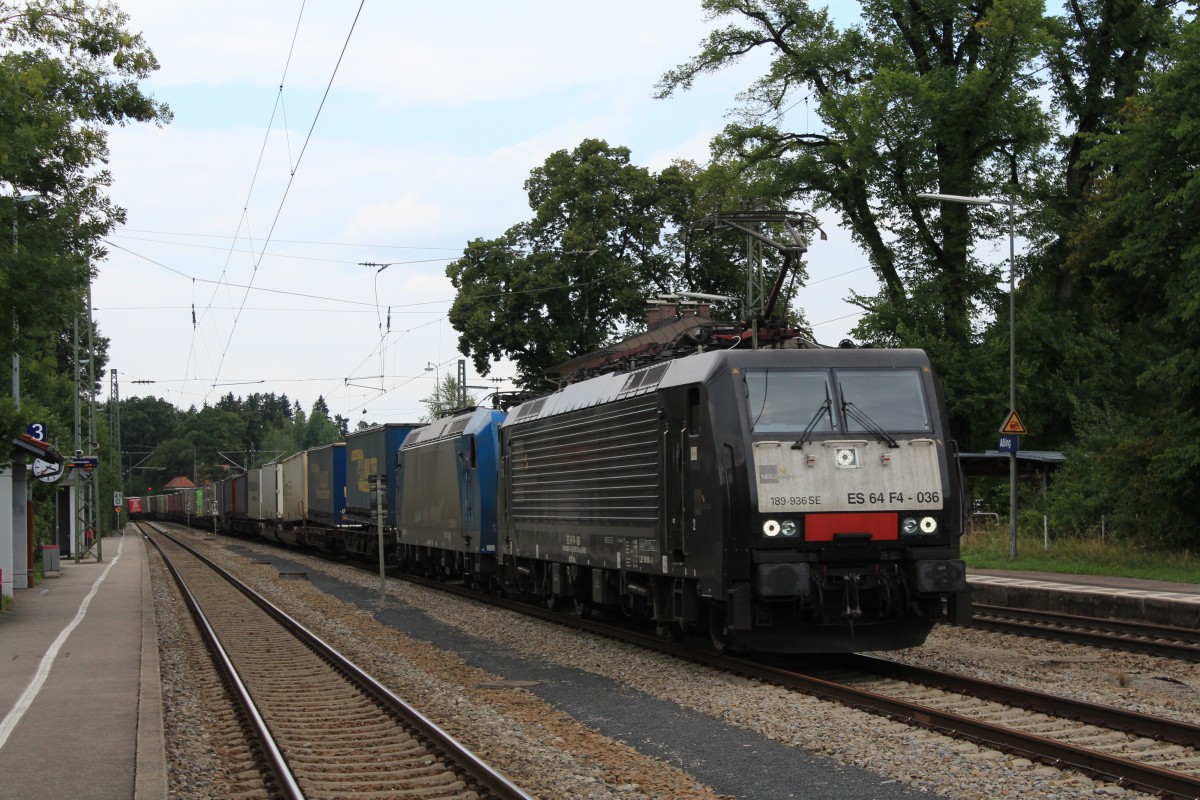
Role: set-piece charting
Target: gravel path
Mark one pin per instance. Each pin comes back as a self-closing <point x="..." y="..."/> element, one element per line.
<point x="645" y="725"/>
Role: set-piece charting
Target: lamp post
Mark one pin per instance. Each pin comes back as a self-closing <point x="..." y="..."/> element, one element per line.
<point x="1012" y="343"/>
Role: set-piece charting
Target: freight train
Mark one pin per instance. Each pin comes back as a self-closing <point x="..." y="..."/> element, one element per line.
<point x="789" y="500"/>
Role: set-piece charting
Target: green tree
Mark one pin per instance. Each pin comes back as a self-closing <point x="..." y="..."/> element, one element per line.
<point x="1100" y="55"/>
<point x="68" y="70"/>
<point x="563" y="283"/>
<point x="218" y="437"/>
<point x="146" y="421"/>
<point x="319" y="429"/>
<point x="917" y="97"/>
<point x="447" y="396"/>
<point x="1139" y="248"/>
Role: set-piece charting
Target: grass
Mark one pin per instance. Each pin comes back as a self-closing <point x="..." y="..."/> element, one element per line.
<point x="987" y="548"/>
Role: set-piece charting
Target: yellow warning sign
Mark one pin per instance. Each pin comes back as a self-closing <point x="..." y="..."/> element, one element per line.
<point x="1013" y="424"/>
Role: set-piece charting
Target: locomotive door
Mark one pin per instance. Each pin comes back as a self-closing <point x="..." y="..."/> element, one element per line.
<point x="466" y="466"/>
<point x="681" y="438"/>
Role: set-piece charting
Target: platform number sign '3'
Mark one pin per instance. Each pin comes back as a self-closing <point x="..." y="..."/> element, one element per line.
<point x="36" y="431"/>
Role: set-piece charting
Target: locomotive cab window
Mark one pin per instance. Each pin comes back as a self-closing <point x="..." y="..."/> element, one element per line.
<point x="892" y="399"/>
<point x="789" y="400"/>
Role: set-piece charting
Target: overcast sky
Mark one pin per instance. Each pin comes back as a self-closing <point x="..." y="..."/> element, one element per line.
<point x="427" y="132"/>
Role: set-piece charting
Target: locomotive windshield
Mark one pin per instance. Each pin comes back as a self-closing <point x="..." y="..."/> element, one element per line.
<point x="892" y="399"/>
<point x="788" y="400"/>
<point x="791" y="401"/>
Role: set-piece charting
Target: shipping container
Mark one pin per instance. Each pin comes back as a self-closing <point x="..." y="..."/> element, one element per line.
<point x="270" y="499"/>
<point x="254" y="494"/>
<point x="240" y="494"/>
<point x="293" y="487"/>
<point x="327" y="485"/>
<point x="373" y="451"/>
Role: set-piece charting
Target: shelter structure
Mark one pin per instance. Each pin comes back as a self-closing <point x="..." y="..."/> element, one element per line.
<point x="16" y="512"/>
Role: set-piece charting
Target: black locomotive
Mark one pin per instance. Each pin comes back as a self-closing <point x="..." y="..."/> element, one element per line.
<point x="789" y="500"/>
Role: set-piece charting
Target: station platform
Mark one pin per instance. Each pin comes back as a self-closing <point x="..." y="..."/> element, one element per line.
<point x="1103" y="597"/>
<point x="80" y="693"/>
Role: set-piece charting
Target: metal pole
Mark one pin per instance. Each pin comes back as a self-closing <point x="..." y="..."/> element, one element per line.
<point x="1011" y="202"/>
<point x="78" y="520"/>
<point x="16" y="358"/>
<point x="1012" y="380"/>
<point x="379" y="480"/>
<point x="94" y="483"/>
<point x="16" y="329"/>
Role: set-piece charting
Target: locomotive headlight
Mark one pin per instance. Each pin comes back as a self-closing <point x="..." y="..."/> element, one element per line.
<point x="788" y="528"/>
<point x="771" y="528"/>
<point x="909" y="525"/>
<point x="929" y="525"/>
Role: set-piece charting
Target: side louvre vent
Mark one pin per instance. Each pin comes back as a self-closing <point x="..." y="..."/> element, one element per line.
<point x="598" y="466"/>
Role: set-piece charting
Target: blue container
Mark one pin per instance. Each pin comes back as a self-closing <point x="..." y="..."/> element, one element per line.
<point x="327" y="485"/>
<point x="373" y="451"/>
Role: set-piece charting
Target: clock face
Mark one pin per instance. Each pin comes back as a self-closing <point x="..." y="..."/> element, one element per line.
<point x="45" y="471"/>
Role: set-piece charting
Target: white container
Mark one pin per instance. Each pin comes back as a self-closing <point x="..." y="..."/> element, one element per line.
<point x="271" y="499"/>
<point x="293" y="487"/>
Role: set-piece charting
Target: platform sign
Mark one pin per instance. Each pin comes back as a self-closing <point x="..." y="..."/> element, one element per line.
<point x="36" y="431"/>
<point x="1009" y="444"/>
<point x="1013" y="424"/>
<point x="85" y="463"/>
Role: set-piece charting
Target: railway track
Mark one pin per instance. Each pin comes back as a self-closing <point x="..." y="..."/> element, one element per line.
<point x="319" y="726"/>
<point x="1136" y="637"/>
<point x="1135" y="750"/>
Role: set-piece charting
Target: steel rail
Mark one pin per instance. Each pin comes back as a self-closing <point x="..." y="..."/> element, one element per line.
<point x="1133" y="722"/>
<point x="286" y="781"/>
<point x="1138" y="637"/>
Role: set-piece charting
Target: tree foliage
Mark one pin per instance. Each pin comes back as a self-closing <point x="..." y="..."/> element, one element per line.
<point x="927" y="96"/>
<point x="605" y="236"/>
<point x="562" y="283"/>
<point x="447" y="396"/>
<point x="1139" y="249"/>
<point x="68" y="70"/>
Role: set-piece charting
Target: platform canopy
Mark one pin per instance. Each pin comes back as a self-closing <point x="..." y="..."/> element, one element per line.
<point x="1030" y="463"/>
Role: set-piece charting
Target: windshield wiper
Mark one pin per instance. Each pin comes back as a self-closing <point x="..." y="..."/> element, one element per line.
<point x="861" y="418"/>
<point x="806" y="437"/>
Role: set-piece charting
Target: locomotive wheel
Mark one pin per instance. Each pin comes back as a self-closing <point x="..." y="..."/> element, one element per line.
<point x="669" y="631"/>
<point x="553" y="602"/>
<point x="583" y="609"/>
<point x="718" y="632"/>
